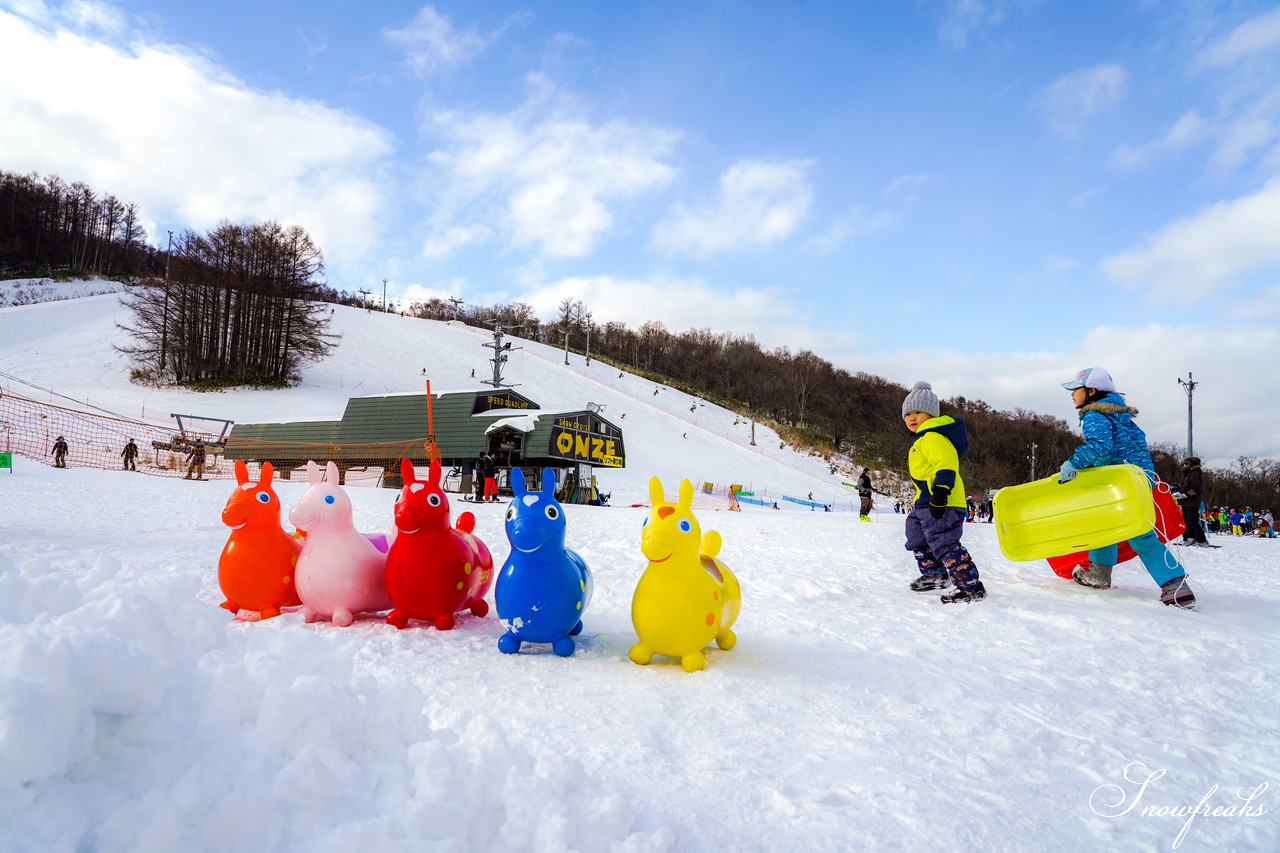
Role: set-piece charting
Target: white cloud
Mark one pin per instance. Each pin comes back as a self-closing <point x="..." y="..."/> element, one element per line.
<point x="963" y="18"/>
<point x="544" y="180"/>
<point x="1146" y="362"/>
<point x="182" y="138"/>
<point x="1083" y="199"/>
<point x="1256" y="35"/>
<point x="1201" y="254"/>
<point x="1069" y="101"/>
<point x="759" y="203"/>
<point x="902" y="193"/>
<point x="431" y="44"/>
<point x="1256" y="128"/>
<point x="682" y="303"/>
<point x="1056" y="265"/>
<point x="1186" y="132"/>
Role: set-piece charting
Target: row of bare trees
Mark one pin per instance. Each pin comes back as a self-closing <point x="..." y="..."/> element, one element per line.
<point x="855" y="413"/>
<point x="239" y="306"/>
<point x="47" y="225"/>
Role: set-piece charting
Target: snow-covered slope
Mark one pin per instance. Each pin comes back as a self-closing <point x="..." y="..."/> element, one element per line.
<point x="135" y="715"/>
<point x="65" y="347"/>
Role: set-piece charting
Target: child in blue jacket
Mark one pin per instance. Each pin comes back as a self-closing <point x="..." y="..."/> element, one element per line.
<point x="1112" y="438"/>
<point x="936" y="520"/>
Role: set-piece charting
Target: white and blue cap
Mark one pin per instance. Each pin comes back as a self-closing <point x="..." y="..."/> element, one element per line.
<point x="1092" y="377"/>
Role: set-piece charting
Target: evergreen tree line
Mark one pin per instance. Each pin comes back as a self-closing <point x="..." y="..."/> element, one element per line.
<point x="238" y="306"/>
<point x="49" y="227"/>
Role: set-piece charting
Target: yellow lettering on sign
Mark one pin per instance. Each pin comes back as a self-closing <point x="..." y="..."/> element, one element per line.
<point x="564" y="442"/>
<point x="580" y="447"/>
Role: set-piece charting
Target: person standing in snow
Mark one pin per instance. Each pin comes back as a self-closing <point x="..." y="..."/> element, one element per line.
<point x="489" y="470"/>
<point x="478" y="475"/>
<point x="195" y="461"/>
<point x="1112" y="438"/>
<point x="60" y="453"/>
<point x="129" y="454"/>
<point x="1191" y="488"/>
<point x="936" y="520"/>
<point x="864" y="495"/>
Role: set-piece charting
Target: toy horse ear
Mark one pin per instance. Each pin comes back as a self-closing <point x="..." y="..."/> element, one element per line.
<point x="407" y="474"/>
<point x="656" y="497"/>
<point x="517" y="482"/>
<point x="686" y="494"/>
<point x="331" y="472"/>
<point x="313" y="472"/>
<point x="433" y="476"/>
<point x="242" y="472"/>
<point x="268" y="471"/>
<point x="549" y="482"/>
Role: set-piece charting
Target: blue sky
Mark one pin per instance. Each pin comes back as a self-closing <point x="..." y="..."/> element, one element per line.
<point x="989" y="194"/>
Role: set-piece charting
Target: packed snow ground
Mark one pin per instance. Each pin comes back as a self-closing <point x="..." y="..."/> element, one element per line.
<point x="853" y="714"/>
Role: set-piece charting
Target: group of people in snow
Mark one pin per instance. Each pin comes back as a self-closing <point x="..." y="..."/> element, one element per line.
<point x="935" y="522"/>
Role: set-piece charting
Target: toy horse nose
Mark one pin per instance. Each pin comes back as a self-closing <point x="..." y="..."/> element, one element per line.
<point x="664" y="511"/>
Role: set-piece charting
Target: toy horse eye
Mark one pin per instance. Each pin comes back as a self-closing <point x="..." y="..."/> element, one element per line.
<point x="329" y="499"/>
<point x="685" y="525"/>
<point x="644" y="523"/>
<point x="263" y="498"/>
<point x="511" y="512"/>
<point x="552" y="513"/>
<point x="433" y="500"/>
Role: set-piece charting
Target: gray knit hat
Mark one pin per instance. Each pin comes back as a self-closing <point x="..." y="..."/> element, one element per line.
<point x="922" y="399"/>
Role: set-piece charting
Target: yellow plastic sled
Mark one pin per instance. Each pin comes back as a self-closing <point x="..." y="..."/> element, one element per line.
<point x="1101" y="506"/>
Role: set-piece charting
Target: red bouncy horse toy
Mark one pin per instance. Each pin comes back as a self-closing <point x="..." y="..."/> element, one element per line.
<point x="434" y="570"/>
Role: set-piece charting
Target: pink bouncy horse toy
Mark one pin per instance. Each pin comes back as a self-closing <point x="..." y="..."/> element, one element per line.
<point x="340" y="570"/>
<point x="434" y="570"/>
<point x="256" y="569"/>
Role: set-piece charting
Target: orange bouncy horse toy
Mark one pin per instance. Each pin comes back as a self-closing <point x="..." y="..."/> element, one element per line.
<point x="256" y="569"/>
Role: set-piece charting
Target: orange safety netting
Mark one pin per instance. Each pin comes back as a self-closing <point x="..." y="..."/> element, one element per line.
<point x="30" y="429"/>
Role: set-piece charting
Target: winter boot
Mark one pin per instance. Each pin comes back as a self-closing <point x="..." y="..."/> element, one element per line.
<point x="964" y="596"/>
<point x="864" y="518"/>
<point x="1093" y="576"/>
<point x="1178" y="593"/>
<point x="927" y="583"/>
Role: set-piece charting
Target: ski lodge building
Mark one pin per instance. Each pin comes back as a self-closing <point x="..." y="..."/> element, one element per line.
<point x="376" y="432"/>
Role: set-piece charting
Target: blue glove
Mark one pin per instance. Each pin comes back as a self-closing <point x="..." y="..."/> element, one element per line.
<point x="1068" y="472"/>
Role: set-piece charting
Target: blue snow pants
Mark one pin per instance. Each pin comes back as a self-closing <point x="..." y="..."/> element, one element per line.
<point x="1161" y="563"/>
<point x="935" y="542"/>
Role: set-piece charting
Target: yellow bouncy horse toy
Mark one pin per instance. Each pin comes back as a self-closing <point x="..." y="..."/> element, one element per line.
<point x="686" y="597"/>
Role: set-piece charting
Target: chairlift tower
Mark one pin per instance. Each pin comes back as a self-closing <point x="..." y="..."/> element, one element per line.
<point x="500" y="351"/>
<point x="1189" y="385"/>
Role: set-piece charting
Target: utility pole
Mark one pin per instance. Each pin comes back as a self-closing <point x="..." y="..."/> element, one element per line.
<point x="1032" y="457"/>
<point x="456" y="302"/>
<point x="164" y="329"/>
<point x="384" y="296"/>
<point x="566" y="347"/>
<point x="500" y="351"/>
<point x="364" y="299"/>
<point x="588" y="339"/>
<point x="1189" y="385"/>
